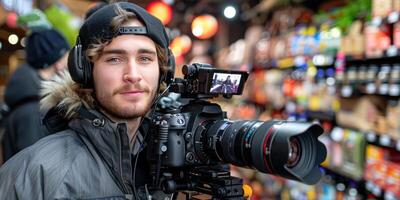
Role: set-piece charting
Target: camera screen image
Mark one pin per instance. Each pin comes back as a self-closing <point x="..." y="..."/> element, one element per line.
<point x="225" y="83"/>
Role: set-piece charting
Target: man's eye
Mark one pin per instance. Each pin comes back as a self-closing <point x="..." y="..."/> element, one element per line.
<point x="145" y="59"/>
<point x="113" y="60"/>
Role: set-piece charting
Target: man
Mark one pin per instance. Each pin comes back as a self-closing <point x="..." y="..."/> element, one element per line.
<point x="227" y="85"/>
<point x="118" y="65"/>
<point x="46" y="54"/>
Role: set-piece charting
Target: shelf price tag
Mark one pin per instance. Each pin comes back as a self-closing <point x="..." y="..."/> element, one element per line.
<point x="347" y="91"/>
<point x="376" y="190"/>
<point x="393" y="17"/>
<point x="389" y="195"/>
<point x="377" y="21"/>
<point x="398" y="145"/>
<point x="371" y="137"/>
<point x="391" y="51"/>
<point x="394" y="90"/>
<point x="385" y="140"/>
<point x="371" y="88"/>
<point x="384" y="88"/>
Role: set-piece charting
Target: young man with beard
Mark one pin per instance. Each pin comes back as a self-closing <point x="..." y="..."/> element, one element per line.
<point x="117" y="66"/>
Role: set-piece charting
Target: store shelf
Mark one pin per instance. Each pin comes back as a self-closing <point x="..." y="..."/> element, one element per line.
<point x="391" y="55"/>
<point x="387" y="91"/>
<point x="319" y="60"/>
<point x="344" y="175"/>
<point x="392" y="18"/>
<point x="382" y="140"/>
<point x="379" y="192"/>
<point x="321" y="115"/>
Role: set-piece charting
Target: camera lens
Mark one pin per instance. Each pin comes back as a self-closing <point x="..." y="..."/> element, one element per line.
<point x="294" y="152"/>
<point x="287" y="149"/>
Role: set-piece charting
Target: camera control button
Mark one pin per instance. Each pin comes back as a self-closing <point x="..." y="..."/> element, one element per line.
<point x="190" y="157"/>
<point x="188" y="137"/>
<point x="163" y="148"/>
<point x="180" y="121"/>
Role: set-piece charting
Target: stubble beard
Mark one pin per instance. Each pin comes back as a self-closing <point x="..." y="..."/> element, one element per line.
<point x="123" y="112"/>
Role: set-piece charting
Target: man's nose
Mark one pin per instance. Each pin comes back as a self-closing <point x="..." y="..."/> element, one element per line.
<point x="132" y="73"/>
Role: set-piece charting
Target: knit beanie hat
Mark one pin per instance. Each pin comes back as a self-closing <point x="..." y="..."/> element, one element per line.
<point x="45" y="47"/>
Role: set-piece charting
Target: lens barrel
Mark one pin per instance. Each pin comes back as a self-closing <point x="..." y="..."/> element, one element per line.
<point x="287" y="149"/>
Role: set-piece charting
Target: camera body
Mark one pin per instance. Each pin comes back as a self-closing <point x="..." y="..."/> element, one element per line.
<point x="180" y="129"/>
<point x="183" y="142"/>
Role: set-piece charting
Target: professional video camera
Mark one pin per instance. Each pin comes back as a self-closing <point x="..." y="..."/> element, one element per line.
<point x="191" y="143"/>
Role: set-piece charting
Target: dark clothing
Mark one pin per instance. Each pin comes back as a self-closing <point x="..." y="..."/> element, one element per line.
<point x="91" y="159"/>
<point x="23" y="124"/>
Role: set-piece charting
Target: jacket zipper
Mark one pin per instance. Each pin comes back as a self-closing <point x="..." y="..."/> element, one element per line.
<point x="126" y="188"/>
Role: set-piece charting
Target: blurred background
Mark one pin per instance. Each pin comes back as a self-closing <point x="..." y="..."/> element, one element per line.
<point x="335" y="62"/>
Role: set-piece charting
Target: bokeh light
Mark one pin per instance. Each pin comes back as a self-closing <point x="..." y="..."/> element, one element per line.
<point x="204" y="26"/>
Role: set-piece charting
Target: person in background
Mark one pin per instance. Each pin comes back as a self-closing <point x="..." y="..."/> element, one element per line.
<point x="117" y="68"/>
<point x="46" y="55"/>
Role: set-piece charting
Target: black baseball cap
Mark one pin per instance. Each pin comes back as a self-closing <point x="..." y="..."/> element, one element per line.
<point x="98" y="25"/>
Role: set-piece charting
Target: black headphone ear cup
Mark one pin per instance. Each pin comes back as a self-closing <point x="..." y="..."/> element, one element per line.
<point x="171" y="68"/>
<point x="87" y="72"/>
<point x="75" y="64"/>
<point x="80" y="67"/>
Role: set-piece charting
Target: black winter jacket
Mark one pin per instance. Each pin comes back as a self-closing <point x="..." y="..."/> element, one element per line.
<point x="91" y="159"/>
<point x="22" y="126"/>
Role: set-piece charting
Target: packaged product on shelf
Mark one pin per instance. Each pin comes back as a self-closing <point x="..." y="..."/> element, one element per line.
<point x="396" y="34"/>
<point x="273" y="88"/>
<point x="383" y="79"/>
<point x="339" y="69"/>
<point x="255" y="87"/>
<point x="311" y="41"/>
<point x="360" y="113"/>
<point x="261" y="54"/>
<point x="394" y="80"/>
<point x="381" y="8"/>
<point x="377" y="40"/>
<point x="327" y="190"/>
<point x="393" y="179"/>
<point x="371" y="86"/>
<point x="362" y="78"/>
<point x="289" y="86"/>
<point x="335" y="148"/>
<point x="351" y="75"/>
<point x="324" y="36"/>
<point x="351" y="192"/>
<point x="381" y="125"/>
<point x="298" y="42"/>
<point x="279" y="47"/>
<point x="353" y="145"/>
<point x="353" y="43"/>
<point x="252" y="36"/>
<point x="396" y="5"/>
<point x="393" y="119"/>
<point x="375" y="165"/>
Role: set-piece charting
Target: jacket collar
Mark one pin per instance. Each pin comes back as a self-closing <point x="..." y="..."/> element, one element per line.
<point x="76" y="105"/>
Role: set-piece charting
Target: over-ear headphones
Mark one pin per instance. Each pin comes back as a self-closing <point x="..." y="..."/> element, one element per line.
<point x="169" y="75"/>
<point x="80" y="67"/>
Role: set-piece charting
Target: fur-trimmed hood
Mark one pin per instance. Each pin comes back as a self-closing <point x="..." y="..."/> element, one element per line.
<point x="65" y="94"/>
